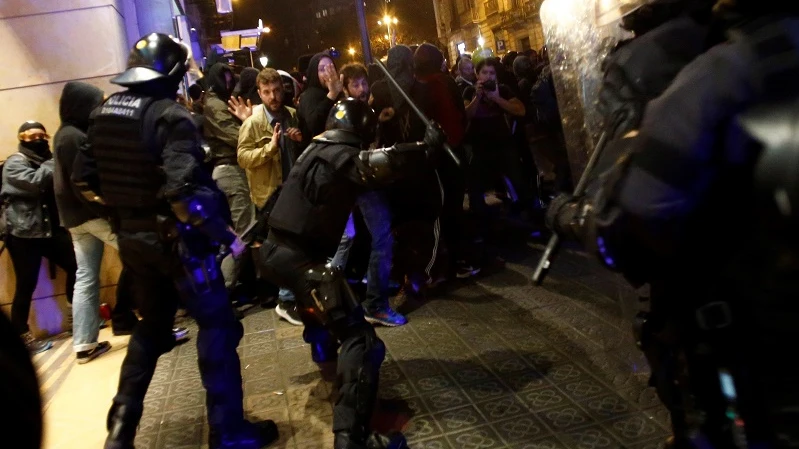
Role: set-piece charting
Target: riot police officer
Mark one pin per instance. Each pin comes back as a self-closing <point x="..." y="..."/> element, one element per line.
<point x="667" y="35"/>
<point x="306" y="225"/>
<point x="720" y="139"/>
<point x="170" y="218"/>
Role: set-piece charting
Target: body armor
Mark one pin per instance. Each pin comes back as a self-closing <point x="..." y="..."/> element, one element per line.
<point x="316" y="199"/>
<point x="126" y="153"/>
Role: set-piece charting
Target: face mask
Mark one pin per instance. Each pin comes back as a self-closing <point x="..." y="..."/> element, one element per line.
<point x="41" y="147"/>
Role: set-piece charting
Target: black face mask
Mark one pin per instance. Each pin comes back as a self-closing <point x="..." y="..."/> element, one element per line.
<point x="38" y="150"/>
<point x="40" y="147"/>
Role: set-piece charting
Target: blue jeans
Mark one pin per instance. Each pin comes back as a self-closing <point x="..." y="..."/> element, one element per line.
<point x="88" y="240"/>
<point x="377" y="215"/>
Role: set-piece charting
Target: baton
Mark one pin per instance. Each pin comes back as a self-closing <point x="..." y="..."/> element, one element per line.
<point x="545" y="262"/>
<point x="416" y="109"/>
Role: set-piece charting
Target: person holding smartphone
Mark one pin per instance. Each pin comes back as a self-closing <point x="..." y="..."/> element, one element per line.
<point x="488" y="104"/>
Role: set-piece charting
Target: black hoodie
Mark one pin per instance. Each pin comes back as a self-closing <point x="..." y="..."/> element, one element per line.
<point x="314" y="105"/>
<point x="78" y="100"/>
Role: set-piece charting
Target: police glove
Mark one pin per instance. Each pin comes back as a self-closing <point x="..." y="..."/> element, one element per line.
<point x="561" y="213"/>
<point x="434" y="136"/>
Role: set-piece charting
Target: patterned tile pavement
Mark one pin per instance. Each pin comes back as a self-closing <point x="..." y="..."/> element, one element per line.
<point x="491" y="363"/>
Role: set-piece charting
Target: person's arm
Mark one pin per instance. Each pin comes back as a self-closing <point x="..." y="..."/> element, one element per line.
<point x="471" y="98"/>
<point x="249" y="154"/>
<point x="194" y="200"/>
<point x="511" y="105"/>
<point x="381" y="166"/>
<point x="26" y="180"/>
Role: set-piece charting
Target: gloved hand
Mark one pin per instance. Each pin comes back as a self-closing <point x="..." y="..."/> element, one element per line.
<point x="561" y="213"/>
<point x="434" y="136"/>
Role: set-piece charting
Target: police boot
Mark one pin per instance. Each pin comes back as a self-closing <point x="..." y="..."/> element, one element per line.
<point x="250" y="436"/>
<point x="123" y="419"/>
<point x="348" y="440"/>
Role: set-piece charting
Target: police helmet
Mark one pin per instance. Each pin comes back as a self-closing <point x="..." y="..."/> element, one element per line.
<point x="609" y="11"/>
<point x="354" y="116"/>
<point x="155" y="57"/>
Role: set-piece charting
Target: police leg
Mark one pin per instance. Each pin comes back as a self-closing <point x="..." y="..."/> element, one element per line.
<point x="359" y="360"/>
<point x="148" y="270"/>
<point x="658" y="343"/>
<point x="220" y="369"/>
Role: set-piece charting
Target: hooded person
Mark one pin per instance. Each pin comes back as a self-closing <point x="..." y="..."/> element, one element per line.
<point x="77" y="102"/>
<point x="221" y="132"/>
<point x="85" y="222"/>
<point x="448" y="110"/>
<point x="323" y="88"/>
<point x="247" y="88"/>
<point x="291" y="88"/>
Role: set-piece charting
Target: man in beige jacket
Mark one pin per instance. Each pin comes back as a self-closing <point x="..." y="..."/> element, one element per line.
<point x="269" y="143"/>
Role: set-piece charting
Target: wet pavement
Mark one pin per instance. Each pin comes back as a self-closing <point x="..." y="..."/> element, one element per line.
<point x="492" y="362"/>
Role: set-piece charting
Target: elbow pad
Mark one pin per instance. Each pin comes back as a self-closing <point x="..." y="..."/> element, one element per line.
<point x="386" y="164"/>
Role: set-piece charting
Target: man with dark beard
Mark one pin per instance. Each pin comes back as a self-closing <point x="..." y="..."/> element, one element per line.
<point x="269" y="143"/>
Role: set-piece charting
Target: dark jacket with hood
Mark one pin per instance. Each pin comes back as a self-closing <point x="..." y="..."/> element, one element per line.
<point x="220" y="128"/>
<point x="77" y="102"/>
<point x="314" y="105"/>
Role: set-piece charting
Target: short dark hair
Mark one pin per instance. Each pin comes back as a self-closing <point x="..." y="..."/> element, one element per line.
<point x="353" y="71"/>
<point x="269" y="76"/>
<point x="491" y="62"/>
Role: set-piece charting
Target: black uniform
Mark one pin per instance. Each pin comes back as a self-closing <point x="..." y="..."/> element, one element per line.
<point x="170" y="218"/>
<point x="663" y="216"/>
<point x="306" y="225"/>
<point x="636" y="72"/>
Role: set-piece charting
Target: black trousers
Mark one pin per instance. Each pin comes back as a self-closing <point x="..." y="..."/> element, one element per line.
<point x="157" y="277"/>
<point x="26" y="257"/>
<point x="362" y="352"/>
<point x="122" y="317"/>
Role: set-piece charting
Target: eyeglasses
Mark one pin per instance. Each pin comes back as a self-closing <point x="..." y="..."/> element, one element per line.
<point x="33" y="135"/>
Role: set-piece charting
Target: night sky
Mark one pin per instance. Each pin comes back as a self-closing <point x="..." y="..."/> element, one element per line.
<point x="285" y="17"/>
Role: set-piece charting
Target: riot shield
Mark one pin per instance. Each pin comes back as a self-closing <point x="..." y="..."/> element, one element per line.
<point x="577" y="45"/>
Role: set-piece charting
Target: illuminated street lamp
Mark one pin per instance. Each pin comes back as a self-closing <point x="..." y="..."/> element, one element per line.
<point x="480" y="41"/>
<point x="263" y="60"/>
<point x="387" y="21"/>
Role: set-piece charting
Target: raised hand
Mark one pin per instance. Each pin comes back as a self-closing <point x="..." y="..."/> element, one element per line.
<point x="240" y="108"/>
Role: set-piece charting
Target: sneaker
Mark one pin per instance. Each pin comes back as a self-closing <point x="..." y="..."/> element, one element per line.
<point x="181" y="334"/>
<point x="464" y="270"/>
<point x="88" y="356"/>
<point x="35" y="346"/>
<point x="385" y="316"/>
<point x="288" y="311"/>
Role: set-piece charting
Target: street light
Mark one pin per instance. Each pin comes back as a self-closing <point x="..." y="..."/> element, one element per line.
<point x="387" y="21"/>
<point x="263" y="60"/>
<point x="481" y="41"/>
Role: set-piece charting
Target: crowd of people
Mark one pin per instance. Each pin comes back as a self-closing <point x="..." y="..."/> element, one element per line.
<point x="298" y="169"/>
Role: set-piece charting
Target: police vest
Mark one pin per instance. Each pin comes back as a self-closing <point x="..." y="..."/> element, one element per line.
<point x="128" y="158"/>
<point x="317" y="198"/>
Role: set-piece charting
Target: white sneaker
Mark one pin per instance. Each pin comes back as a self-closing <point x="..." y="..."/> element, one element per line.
<point x="288" y="311"/>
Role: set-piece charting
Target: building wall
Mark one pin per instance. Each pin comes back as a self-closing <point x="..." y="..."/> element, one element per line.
<point x="512" y="21"/>
<point x="50" y="43"/>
